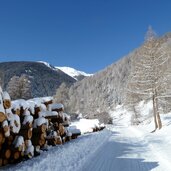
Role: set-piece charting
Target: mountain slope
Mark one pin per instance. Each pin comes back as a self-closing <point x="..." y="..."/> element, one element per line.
<point x="78" y="75"/>
<point x="97" y="95"/>
<point x="44" y="79"/>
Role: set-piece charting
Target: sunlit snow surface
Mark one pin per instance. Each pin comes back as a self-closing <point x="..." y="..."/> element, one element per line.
<point x="73" y="72"/>
<point x="121" y="147"/>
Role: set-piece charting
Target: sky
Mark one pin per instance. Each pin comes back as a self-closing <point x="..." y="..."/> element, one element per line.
<point x="84" y="34"/>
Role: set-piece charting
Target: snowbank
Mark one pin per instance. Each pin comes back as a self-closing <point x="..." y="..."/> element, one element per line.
<point x="84" y="125"/>
<point x="69" y="157"/>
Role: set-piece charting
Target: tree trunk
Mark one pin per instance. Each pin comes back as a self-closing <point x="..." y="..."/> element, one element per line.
<point x="154" y="114"/>
<point x="157" y="112"/>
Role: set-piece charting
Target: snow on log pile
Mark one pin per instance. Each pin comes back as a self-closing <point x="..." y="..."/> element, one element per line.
<point x="26" y="127"/>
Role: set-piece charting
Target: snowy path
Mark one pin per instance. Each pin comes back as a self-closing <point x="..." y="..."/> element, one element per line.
<point x="121" y="153"/>
<point x="117" y="149"/>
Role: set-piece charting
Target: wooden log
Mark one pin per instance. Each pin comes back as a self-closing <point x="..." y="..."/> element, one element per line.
<point x="10" y="139"/>
<point x="1" y="137"/>
<point x="58" y="140"/>
<point x="16" y="155"/>
<point x="68" y="138"/>
<point x="1" y="162"/>
<point x="36" y="114"/>
<point x="6" y="131"/>
<point x="27" y="126"/>
<point x="48" y="103"/>
<point x="6" y="100"/>
<point x="2" y="117"/>
<point x="61" y="129"/>
<point x="7" y="153"/>
<point x="75" y="135"/>
<point x="42" y="142"/>
<point x="40" y="129"/>
<point x="26" y="133"/>
<point x="5" y="162"/>
<point x="35" y="139"/>
<point x="7" y="103"/>
<point x="42" y="135"/>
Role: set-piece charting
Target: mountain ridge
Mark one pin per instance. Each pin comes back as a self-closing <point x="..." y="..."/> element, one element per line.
<point x="44" y="79"/>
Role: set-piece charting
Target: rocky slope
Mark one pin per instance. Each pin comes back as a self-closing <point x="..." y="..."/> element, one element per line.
<point x="44" y="79"/>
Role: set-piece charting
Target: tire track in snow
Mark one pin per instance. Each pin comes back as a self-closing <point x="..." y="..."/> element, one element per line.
<point x="120" y="153"/>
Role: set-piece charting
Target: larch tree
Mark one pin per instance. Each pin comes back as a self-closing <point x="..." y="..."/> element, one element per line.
<point x="149" y="74"/>
<point x="19" y="87"/>
<point x="62" y="93"/>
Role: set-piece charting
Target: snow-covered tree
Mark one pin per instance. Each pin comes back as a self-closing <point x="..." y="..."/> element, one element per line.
<point x="149" y="74"/>
<point x="62" y="93"/>
<point x="19" y="87"/>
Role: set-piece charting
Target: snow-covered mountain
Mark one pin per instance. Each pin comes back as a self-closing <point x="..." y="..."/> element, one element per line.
<point x="76" y="74"/>
<point x="44" y="78"/>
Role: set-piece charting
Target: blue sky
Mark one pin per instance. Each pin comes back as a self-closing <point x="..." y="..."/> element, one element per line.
<point x="85" y="34"/>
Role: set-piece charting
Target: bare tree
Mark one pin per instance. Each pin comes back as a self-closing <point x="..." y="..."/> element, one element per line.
<point x="149" y="74"/>
<point x="19" y="87"/>
<point x="62" y="93"/>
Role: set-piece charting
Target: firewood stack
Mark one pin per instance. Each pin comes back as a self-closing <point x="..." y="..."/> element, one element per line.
<point x="28" y="126"/>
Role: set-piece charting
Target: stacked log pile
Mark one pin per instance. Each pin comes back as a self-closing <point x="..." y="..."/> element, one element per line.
<point x="26" y="127"/>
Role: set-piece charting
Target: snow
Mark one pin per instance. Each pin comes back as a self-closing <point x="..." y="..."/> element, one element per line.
<point x="52" y="134"/>
<point x="48" y="113"/>
<point x="19" y="140"/>
<point x="6" y="96"/>
<point x="39" y="100"/>
<point x="56" y="106"/>
<point x="16" y="104"/>
<point x="15" y="123"/>
<point x="74" y="130"/>
<point x="5" y="123"/>
<point x="68" y="157"/>
<point x="29" y="149"/>
<point x="120" y="147"/>
<point x="27" y="119"/>
<point x="47" y="64"/>
<point x="73" y="72"/>
<point x="39" y="121"/>
<point x="1" y="105"/>
<point x="84" y="125"/>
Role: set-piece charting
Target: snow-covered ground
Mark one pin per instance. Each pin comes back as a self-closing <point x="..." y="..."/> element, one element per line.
<point x="120" y="147"/>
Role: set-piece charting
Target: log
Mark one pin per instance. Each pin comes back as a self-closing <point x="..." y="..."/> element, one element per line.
<point x="5" y="162"/>
<point x="1" y="137"/>
<point x="6" y="100"/>
<point x="10" y="139"/>
<point x="27" y="126"/>
<point x="48" y="102"/>
<point x="16" y="155"/>
<point x="16" y="111"/>
<point x="36" y="114"/>
<point x="42" y="142"/>
<point x="26" y="133"/>
<point x="40" y="129"/>
<point x="42" y="135"/>
<point x="58" y="140"/>
<point x="35" y="139"/>
<point x="7" y="103"/>
<point x="75" y="135"/>
<point x="1" y="161"/>
<point x="61" y="129"/>
<point x="7" y="153"/>
<point x="2" y="117"/>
